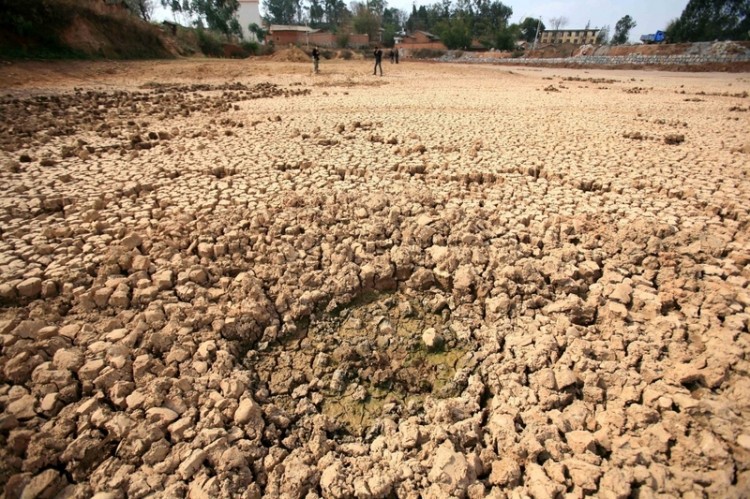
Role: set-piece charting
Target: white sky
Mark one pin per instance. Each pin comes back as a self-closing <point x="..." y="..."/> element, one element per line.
<point x="650" y="15"/>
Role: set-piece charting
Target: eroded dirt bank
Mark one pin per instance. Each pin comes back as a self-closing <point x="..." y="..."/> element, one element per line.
<point x="233" y="279"/>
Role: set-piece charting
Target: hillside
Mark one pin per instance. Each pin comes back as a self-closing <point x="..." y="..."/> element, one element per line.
<point x="78" y="28"/>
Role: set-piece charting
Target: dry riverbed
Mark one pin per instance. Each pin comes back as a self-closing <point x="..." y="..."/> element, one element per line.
<point x="237" y="279"/>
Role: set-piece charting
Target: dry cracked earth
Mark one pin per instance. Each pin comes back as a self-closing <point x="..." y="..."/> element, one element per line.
<point x="235" y="279"/>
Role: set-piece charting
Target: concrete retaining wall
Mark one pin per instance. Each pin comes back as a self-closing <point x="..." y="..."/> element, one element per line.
<point x="635" y="59"/>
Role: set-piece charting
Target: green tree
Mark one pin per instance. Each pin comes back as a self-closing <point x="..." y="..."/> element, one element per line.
<point x="316" y="12"/>
<point x="218" y="15"/>
<point x="455" y="33"/>
<point x="622" y="30"/>
<point x="705" y="20"/>
<point x="506" y="38"/>
<point x="365" y="21"/>
<point x="282" y="11"/>
<point x="393" y="20"/>
<point x="336" y="13"/>
<point x="389" y="35"/>
<point x="260" y="33"/>
<point x="528" y="28"/>
<point x="394" y="16"/>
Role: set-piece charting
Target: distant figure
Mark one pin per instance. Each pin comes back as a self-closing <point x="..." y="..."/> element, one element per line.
<point x="378" y="61"/>
<point x="396" y="54"/>
<point x="316" y="59"/>
<point x="391" y="55"/>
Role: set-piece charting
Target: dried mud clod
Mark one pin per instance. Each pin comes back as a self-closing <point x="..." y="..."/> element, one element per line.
<point x="674" y="138"/>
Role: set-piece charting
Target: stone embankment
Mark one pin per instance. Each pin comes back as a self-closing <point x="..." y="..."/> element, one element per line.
<point x="695" y="54"/>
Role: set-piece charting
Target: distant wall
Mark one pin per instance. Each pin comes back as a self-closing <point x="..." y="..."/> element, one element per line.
<point x="325" y="39"/>
<point x="687" y="54"/>
<point x="634" y="59"/>
<point x="321" y="39"/>
<point x="417" y="46"/>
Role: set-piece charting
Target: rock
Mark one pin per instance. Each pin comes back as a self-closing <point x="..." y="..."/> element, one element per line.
<point x="615" y="484"/>
<point x="421" y="279"/>
<point x="71" y="359"/>
<point x="564" y="378"/>
<point x="163" y="280"/>
<point x="30" y="288"/>
<point x="584" y="475"/>
<point x="450" y="470"/>
<point x="622" y="294"/>
<point x="8" y="422"/>
<point x="581" y="441"/>
<point x="506" y="472"/>
<point x="161" y="416"/>
<point x="131" y="241"/>
<point x="432" y="339"/>
<point x="539" y="484"/>
<point x="44" y="485"/>
<point x="192" y="464"/>
<point x="248" y="411"/>
<point x="23" y="408"/>
<point x="333" y="482"/>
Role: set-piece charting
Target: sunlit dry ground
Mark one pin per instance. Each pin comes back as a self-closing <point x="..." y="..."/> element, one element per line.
<point x="235" y="278"/>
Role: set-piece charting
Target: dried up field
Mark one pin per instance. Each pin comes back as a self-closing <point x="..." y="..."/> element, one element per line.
<point x="234" y="279"/>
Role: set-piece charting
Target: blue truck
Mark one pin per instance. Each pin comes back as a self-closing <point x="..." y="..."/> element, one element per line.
<point x="658" y="37"/>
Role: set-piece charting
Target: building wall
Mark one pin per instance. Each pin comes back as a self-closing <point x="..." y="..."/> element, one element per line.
<point x="321" y="39"/>
<point x="575" y="36"/>
<point x="248" y="13"/>
<point x="326" y="39"/>
<point x="281" y="38"/>
<point x="415" y="46"/>
<point x="419" y="38"/>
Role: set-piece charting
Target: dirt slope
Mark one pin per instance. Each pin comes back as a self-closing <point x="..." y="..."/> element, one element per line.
<point x="86" y="28"/>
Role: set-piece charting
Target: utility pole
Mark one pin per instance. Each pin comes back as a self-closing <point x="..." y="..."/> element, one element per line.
<point x="536" y="36"/>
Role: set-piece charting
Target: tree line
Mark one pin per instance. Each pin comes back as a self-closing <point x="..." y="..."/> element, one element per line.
<point x="457" y="23"/>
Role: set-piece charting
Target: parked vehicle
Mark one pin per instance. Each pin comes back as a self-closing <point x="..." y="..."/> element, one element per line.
<point x="658" y="37"/>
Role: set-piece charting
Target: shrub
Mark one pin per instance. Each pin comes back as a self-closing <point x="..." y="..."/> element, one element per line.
<point x="342" y="40"/>
<point x="209" y="44"/>
<point x="252" y="48"/>
<point x="427" y="53"/>
<point x="266" y="49"/>
<point x="346" y="54"/>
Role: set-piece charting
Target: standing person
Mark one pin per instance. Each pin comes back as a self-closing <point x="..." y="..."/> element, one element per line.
<point x="378" y="61"/>
<point x="316" y="59"/>
<point x="396" y="54"/>
<point x="391" y="55"/>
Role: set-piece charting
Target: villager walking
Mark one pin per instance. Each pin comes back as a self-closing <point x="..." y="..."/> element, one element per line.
<point x="395" y="50"/>
<point x="316" y="59"/>
<point x="378" y="61"/>
<point x="391" y="55"/>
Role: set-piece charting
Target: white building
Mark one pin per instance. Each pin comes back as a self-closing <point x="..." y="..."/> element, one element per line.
<point x="247" y="14"/>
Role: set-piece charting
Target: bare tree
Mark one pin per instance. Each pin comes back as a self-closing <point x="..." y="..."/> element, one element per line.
<point x="557" y="23"/>
<point x="142" y="8"/>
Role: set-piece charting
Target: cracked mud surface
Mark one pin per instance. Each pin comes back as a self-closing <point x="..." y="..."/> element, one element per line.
<point x="234" y="279"/>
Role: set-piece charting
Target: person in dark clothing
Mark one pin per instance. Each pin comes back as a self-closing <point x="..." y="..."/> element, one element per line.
<point x="316" y="59"/>
<point x="396" y="54"/>
<point x="391" y="55"/>
<point x="378" y="61"/>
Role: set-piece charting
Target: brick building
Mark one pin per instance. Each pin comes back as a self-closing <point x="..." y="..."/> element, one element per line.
<point x="282" y="35"/>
